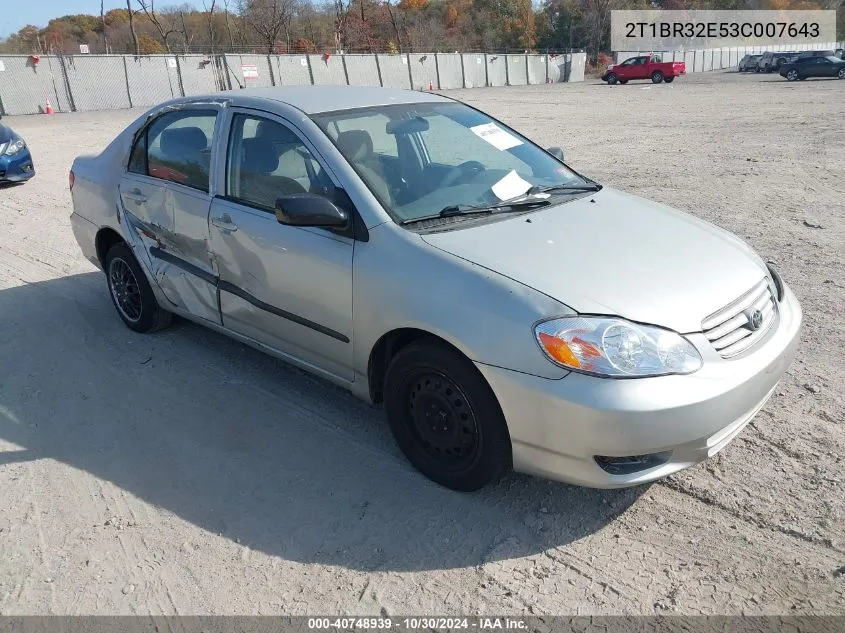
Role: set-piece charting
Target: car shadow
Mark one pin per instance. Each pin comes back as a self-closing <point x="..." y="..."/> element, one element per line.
<point x="242" y="445"/>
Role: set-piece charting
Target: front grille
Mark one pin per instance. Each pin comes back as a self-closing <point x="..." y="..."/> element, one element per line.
<point x="730" y="330"/>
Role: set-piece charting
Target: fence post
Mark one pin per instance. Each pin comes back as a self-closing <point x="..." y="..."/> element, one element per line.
<point x="71" y="101"/>
<point x="486" y="71"/>
<point x="272" y="74"/>
<point x="410" y="73"/>
<point x="507" y="70"/>
<point x="345" y="71"/>
<point x="310" y="71"/>
<point x="463" y="71"/>
<point x="179" y="76"/>
<point x="547" y="66"/>
<point x="378" y="70"/>
<point x="437" y="70"/>
<point x="126" y="77"/>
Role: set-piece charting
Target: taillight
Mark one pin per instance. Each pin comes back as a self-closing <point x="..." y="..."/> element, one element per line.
<point x="71" y="178"/>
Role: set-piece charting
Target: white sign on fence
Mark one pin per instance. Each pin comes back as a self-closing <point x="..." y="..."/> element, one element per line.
<point x="2" y="66"/>
<point x="250" y="71"/>
<point x="83" y="48"/>
<point x="171" y="62"/>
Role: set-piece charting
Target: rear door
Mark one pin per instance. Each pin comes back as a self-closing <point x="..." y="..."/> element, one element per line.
<point x="165" y="200"/>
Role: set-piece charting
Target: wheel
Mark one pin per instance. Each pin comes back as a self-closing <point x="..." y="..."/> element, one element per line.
<point x="445" y="417"/>
<point x="841" y="73"/>
<point x="668" y="80"/>
<point x="623" y="81"/>
<point x="792" y="75"/>
<point x="656" y="77"/>
<point x="611" y="78"/>
<point x="131" y="293"/>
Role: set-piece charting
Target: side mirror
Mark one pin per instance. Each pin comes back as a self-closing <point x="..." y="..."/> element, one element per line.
<point x="556" y="152"/>
<point x="308" y="209"/>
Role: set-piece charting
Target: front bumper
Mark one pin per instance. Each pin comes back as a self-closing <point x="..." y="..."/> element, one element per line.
<point x="17" y="168"/>
<point x="558" y="427"/>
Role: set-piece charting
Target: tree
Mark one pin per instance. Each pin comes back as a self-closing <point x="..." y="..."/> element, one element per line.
<point x="131" y="15"/>
<point x="341" y="14"/>
<point x="164" y="29"/>
<point x="268" y="18"/>
<point x="210" y="12"/>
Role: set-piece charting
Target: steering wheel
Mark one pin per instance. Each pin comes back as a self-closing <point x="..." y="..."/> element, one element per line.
<point x="462" y="173"/>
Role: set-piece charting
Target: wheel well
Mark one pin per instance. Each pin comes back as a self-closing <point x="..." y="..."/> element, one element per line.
<point x="385" y="349"/>
<point x="106" y="238"/>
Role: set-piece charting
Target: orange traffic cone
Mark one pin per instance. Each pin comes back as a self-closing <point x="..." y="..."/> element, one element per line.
<point x="49" y="108"/>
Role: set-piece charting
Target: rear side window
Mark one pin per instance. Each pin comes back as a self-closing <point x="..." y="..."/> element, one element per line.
<point x="176" y="147"/>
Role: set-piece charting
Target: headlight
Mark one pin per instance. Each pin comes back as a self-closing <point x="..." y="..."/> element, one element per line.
<point x="612" y="347"/>
<point x="15" y="146"/>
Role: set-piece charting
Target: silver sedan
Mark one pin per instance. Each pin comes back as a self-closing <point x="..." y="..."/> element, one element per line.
<point x="506" y="310"/>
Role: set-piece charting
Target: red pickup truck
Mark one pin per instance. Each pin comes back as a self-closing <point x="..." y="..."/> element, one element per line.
<point x="644" y="67"/>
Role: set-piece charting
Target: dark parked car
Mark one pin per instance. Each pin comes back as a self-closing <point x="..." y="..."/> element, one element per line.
<point x="806" y="54"/>
<point x="814" y="67"/>
<point x="15" y="159"/>
<point x="748" y="63"/>
<point x="770" y="62"/>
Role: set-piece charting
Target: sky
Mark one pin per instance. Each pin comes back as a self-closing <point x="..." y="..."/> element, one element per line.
<point x="17" y="13"/>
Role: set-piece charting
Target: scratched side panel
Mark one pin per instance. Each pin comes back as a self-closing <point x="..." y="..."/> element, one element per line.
<point x="168" y="229"/>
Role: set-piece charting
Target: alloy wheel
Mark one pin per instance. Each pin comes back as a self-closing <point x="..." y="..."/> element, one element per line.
<point x="125" y="290"/>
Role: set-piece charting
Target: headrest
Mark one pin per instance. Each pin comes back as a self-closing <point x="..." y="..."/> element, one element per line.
<point x="355" y="144"/>
<point x="275" y="133"/>
<point x="176" y="141"/>
<point x="259" y="156"/>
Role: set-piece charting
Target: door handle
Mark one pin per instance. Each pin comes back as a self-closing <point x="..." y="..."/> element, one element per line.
<point x="136" y="195"/>
<point x="224" y="223"/>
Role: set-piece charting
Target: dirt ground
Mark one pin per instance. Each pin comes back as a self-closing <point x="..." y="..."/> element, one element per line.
<point x="183" y="473"/>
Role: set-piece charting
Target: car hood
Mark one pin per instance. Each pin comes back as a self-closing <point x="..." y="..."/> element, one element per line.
<point x="613" y="253"/>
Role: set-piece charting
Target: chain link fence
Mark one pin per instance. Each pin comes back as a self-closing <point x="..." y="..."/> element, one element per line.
<point x="29" y="84"/>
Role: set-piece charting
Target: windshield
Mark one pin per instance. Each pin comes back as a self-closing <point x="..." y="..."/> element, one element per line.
<point x="419" y="158"/>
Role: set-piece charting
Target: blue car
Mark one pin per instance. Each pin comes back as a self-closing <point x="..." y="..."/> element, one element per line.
<point x="15" y="160"/>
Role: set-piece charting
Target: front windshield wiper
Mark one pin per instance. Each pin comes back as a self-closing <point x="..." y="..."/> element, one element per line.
<point x="587" y="186"/>
<point x="455" y="210"/>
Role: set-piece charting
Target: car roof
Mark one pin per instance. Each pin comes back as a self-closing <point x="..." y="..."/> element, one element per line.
<point x="317" y="99"/>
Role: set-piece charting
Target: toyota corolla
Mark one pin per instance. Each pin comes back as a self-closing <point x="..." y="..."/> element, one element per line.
<point x="507" y="311"/>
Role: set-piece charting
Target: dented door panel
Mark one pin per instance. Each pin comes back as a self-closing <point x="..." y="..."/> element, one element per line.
<point x="171" y="227"/>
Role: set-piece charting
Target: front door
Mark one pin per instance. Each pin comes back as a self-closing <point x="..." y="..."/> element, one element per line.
<point x="287" y="287"/>
<point x="165" y="200"/>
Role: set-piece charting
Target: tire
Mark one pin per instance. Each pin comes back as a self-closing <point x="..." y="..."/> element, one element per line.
<point x="429" y="381"/>
<point x="841" y="73"/>
<point x="611" y="79"/>
<point x="669" y="80"/>
<point x="792" y="75"/>
<point x="131" y="293"/>
<point x="657" y="77"/>
<point x="623" y="81"/>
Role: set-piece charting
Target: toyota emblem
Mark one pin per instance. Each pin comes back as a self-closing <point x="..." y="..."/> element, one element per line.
<point x="755" y="319"/>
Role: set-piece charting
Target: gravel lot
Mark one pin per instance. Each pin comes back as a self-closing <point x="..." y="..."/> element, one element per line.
<point x="184" y="473"/>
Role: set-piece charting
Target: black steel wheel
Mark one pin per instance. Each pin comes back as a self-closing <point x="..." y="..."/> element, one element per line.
<point x="131" y="293"/>
<point x="656" y="77"/>
<point x="445" y="417"/>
